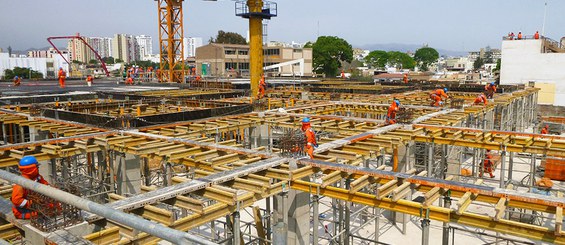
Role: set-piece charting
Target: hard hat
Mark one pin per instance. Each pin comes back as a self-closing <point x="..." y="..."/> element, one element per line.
<point x="546" y="126"/>
<point x="397" y="102"/>
<point x="16" y="77"/>
<point x="306" y="120"/>
<point x="60" y="68"/>
<point x="492" y="84"/>
<point x="445" y="90"/>
<point x="28" y="160"/>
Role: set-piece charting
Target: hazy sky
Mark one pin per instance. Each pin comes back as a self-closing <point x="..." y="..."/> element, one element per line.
<point x="445" y="24"/>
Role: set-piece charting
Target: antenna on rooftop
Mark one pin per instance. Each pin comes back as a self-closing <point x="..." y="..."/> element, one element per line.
<point x="544" y="14"/>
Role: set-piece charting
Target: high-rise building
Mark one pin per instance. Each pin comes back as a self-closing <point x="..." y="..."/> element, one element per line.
<point x="124" y="48"/>
<point x="78" y="51"/>
<point x="145" y="44"/>
<point x="190" y="45"/>
<point x="102" y="45"/>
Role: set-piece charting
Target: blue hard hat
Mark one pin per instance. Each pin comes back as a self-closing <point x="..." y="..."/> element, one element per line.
<point x="28" y="160"/>
<point x="445" y="90"/>
<point x="492" y="84"/>
<point x="397" y="102"/>
<point x="16" y="77"/>
<point x="306" y="120"/>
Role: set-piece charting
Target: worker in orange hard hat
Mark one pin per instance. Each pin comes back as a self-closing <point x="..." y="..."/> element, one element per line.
<point x="405" y="78"/>
<point x="89" y="80"/>
<point x="536" y="36"/>
<point x="392" y="110"/>
<point x="17" y="81"/>
<point x="519" y="35"/>
<point x="481" y="99"/>
<point x="262" y="88"/>
<point x="21" y="203"/>
<point x="437" y="96"/>
<point x="545" y="130"/>
<point x="488" y="164"/>
<point x="62" y="76"/>
<point x="129" y="81"/>
<point x="490" y="90"/>
<point x="310" y="137"/>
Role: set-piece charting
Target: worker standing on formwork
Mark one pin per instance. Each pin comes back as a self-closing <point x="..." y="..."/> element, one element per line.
<point x="481" y="99"/>
<point x="405" y="78"/>
<point x="21" y="204"/>
<point x="392" y="110"/>
<point x="437" y="96"/>
<point x="62" y="76"/>
<point x="490" y="89"/>
<point x="310" y="137"/>
<point x="262" y="87"/>
<point x="89" y="80"/>
<point x="17" y="81"/>
<point x="545" y="130"/>
<point x="488" y="164"/>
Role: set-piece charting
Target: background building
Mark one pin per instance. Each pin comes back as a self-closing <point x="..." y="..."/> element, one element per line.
<point x="190" y="46"/>
<point x="222" y="59"/>
<point x="47" y="66"/>
<point x="102" y="45"/>
<point x="145" y="46"/>
<point x="124" y="47"/>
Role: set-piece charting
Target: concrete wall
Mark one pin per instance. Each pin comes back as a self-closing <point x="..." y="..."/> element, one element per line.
<point x="523" y="61"/>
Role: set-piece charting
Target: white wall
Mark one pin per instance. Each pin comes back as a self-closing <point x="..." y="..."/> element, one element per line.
<point x="37" y="64"/>
<point x="522" y="62"/>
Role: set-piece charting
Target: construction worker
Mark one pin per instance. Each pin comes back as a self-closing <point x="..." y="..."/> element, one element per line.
<point x="392" y="110"/>
<point x="536" y="36"/>
<point x="21" y="204"/>
<point x="490" y="90"/>
<point x="405" y="78"/>
<point x="310" y="137"/>
<point x="488" y="164"/>
<point x="519" y="35"/>
<point x="62" y="76"/>
<point x="481" y="99"/>
<point x="262" y="88"/>
<point x="129" y="81"/>
<point x="89" y="80"/>
<point x="545" y="130"/>
<point x="437" y="96"/>
<point x="17" y="81"/>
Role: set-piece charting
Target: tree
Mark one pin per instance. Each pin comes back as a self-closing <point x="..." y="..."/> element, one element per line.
<point x="426" y="56"/>
<point x="377" y="59"/>
<point x="329" y="52"/>
<point x="229" y="37"/>
<point x="479" y="62"/>
<point x="497" y="68"/>
<point x="93" y="62"/>
<point x="108" y="60"/>
<point x="400" y="60"/>
<point x="119" y="61"/>
<point x="21" y="72"/>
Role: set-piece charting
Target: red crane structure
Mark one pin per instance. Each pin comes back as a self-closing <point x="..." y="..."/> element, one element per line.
<point x="86" y="43"/>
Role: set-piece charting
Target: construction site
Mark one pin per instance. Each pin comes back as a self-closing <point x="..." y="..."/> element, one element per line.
<point x="172" y="162"/>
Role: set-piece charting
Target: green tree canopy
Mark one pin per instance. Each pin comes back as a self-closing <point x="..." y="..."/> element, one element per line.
<point x="109" y="60"/>
<point x="329" y="52"/>
<point x="228" y="37"/>
<point x="377" y="59"/>
<point x="426" y="56"/>
<point x="93" y="62"/>
<point x="497" y="68"/>
<point x="479" y="62"/>
<point x="21" y="72"/>
<point x="400" y="60"/>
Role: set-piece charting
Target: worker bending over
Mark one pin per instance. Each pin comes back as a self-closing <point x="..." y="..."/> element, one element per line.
<point x="262" y="87"/>
<point x="490" y="89"/>
<point x="392" y="110"/>
<point x="17" y="81"/>
<point x="62" y="76"/>
<point x="545" y="130"/>
<point x="437" y="97"/>
<point x="481" y="99"/>
<point x="310" y="137"/>
<point x="21" y="204"/>
<point x="488" y="164"/>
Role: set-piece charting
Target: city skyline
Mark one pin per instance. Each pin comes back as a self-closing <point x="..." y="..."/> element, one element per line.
<point x="471" y="25"/>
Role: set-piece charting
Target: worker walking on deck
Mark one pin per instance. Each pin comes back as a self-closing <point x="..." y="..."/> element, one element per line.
<point x="262" y="88"/>
<point x="21" y="204"/>
<point x="405" y="78"/>
<point x="545" y="130"/>
<point x="62" y="76"/>
<point x="392" y="110"/>
<point x="17" y="81"/>
<point x="536" y="36"/>
<point x="437" y="96"/>
<point x="481" y="99"/>
<point x="488" y="164"/>
<point x="520" y="35"/>
<point x="490" y="90"/>
<point x="310" y="137"/>
<point x="89" y="80"/>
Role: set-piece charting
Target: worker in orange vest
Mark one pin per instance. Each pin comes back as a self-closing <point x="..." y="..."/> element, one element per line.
<point x="536" y="36"/>
<point x="62" y="76"/>
<point x="481" y="99"/>
<point x="490" y="90"/>
<point x="405" y="78"/>
<point x="262" y="88"/>
<point x="89" y="80"/>
<point x="519" y="35"/>
<point x="392" y="110"/>
<point x="17" y="81"/>
<point x="437" y="96"/>
<point x="129" y="81"/>
<point x="488" y="164"/>
<point x="545" y="130"/>
<point x="310" y="137"/>
<point x="21" y="204"/>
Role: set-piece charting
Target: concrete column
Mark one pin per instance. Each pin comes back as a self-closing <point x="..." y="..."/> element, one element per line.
<point x="510" y="164"/>
<point x="127" y="169"/>
<point x="236" y="229"/>
<point x="502" y="167"/>
<point x="447" y="204"/>
<point x="533" y="169"/>
<point x="430" y="167"/>
<point x="425" y="231"/>
<point x="347" y="216"/>
<point x="316" y="217"/>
